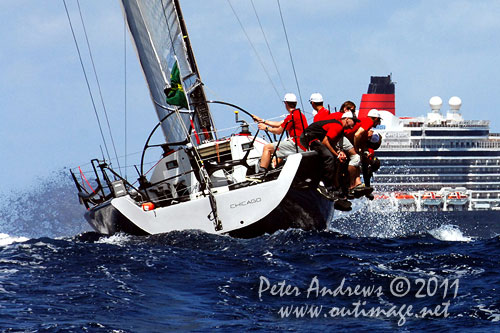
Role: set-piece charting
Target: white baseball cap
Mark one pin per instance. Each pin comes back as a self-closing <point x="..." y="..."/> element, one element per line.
<point x="351" y="115"/>
<point x="374" y="113"/>
<point x="290" y="98"/>
<point x="347" y="115"/>
<point x="316" y="98"/>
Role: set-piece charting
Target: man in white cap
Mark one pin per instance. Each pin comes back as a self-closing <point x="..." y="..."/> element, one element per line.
<point x="322" y="137"/>
<point x="294" y="124"/>
<point x="320" y="112"/>
<point x="360" y="132"/>
<point x="358" y="136"/>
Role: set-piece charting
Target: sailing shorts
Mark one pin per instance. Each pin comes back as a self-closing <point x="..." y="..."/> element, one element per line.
<point x="355" y="160"/>
<point x="346" y="145"/>
<point x="286" y="147"/>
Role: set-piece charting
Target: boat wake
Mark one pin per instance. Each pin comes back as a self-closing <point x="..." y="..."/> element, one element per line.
<point x="383" y="222"/>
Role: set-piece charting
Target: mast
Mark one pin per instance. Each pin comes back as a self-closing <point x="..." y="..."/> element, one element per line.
<point x="197" y="96"/>
<point x="167" y="60"/>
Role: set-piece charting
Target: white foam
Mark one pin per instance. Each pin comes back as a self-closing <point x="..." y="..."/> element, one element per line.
<point x="6" y="239"/>
<point x="449" y="233"/>
<point x="117" y="239"/>
<point x="494" y="315"/>
<point x="267" y="254"/>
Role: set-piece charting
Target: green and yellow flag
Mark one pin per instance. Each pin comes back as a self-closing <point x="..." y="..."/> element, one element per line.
<point x="175" y="94"/>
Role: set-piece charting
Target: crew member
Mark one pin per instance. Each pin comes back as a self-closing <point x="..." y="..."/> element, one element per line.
<point x="320" y="112"/>
<point x="322" y="137"/>
<point x="294" y="124"/>
<point x="349" y="177"/>
<point x="369" y="162"/>
<point x="358" y="136"/>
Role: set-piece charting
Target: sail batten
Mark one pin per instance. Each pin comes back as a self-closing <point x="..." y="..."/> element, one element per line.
<point x="159" y="41"/>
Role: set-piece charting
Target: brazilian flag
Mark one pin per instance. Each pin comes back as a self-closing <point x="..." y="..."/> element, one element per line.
<point x="175" y="94"/>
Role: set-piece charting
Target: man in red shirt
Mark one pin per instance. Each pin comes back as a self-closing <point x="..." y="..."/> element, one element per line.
<point x="359" y="133"/>
<point x="358" y="136"/>
<point x="344" y="144"/>
<point x="294" y="124"/>
<point x="320" y="112"/>
<point x="323" y="137"/>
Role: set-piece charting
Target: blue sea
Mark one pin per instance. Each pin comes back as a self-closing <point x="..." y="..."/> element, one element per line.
<point x="375" y="271"/>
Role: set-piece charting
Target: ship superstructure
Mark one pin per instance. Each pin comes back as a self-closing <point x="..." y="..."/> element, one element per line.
<point x="439" y="155"/>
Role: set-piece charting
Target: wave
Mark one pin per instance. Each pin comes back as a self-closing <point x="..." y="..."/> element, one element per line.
<point x="365" y="222"/>
<point x="119" y="239"/>
<point x="449" y="233"/>
<point x="7" y="240"/>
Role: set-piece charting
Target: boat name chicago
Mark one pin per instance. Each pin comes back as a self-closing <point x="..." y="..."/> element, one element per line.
<point x="245" y="202"/>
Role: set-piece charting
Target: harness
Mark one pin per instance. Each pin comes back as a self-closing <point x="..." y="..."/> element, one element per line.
<point x="315" y="131"/>
<point x="294" y="128"/>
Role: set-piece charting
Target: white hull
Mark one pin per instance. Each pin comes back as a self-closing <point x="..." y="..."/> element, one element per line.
<point x="238" y="210"/>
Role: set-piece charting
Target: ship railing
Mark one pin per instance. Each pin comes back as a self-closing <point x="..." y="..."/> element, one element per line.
<point x="461" y="124"/>
<point x="472" y="145"/>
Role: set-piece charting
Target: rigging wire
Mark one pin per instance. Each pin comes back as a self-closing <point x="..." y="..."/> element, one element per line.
<point x="86" y="80"/>
<point x="268" y="47"/>
<point x="125" y="87"/>
<point x="254" y="49"/>
<point x="98" y="86"/>
<point x="164" y="10"/>
<point x="290" y="53"/>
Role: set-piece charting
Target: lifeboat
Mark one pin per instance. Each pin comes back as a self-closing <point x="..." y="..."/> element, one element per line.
<point x="381" y="197"/>
<point x="457" y="198"/>
<point x="432" y="199"/>
<point x="404" y="199"/>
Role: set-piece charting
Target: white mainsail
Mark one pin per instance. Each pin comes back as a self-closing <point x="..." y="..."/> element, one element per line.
<point x="161" y="41"/>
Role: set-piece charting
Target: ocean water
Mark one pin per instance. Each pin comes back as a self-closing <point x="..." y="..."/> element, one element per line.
<point x="372" y="271"/>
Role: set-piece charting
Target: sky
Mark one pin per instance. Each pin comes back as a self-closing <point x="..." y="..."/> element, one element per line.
<point x="48" y="123"/>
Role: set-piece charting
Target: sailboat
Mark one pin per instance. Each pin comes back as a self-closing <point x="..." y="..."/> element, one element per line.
<point x="201" y="181"/>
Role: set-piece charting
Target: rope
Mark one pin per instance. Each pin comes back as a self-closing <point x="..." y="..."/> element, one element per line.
<point x="290" y="53"/>
<point x="98" y="84"/>
<point x="125" y="87"/>
<point x="268" y="47"/>
<point x="83" y="177"/>
<point x="254" y="49"/>
<point x="86" y="79"/>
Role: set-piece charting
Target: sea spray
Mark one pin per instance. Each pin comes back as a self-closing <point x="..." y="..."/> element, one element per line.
<point x="449" y="233"/>
<point x="47" y="208"/>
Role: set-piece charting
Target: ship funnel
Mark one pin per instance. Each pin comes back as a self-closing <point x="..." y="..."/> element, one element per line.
<point x="380" y="96"/>
<point x="436" y="102"/>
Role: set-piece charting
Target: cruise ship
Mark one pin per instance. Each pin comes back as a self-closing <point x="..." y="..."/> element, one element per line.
<point x="435" y="162"/>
